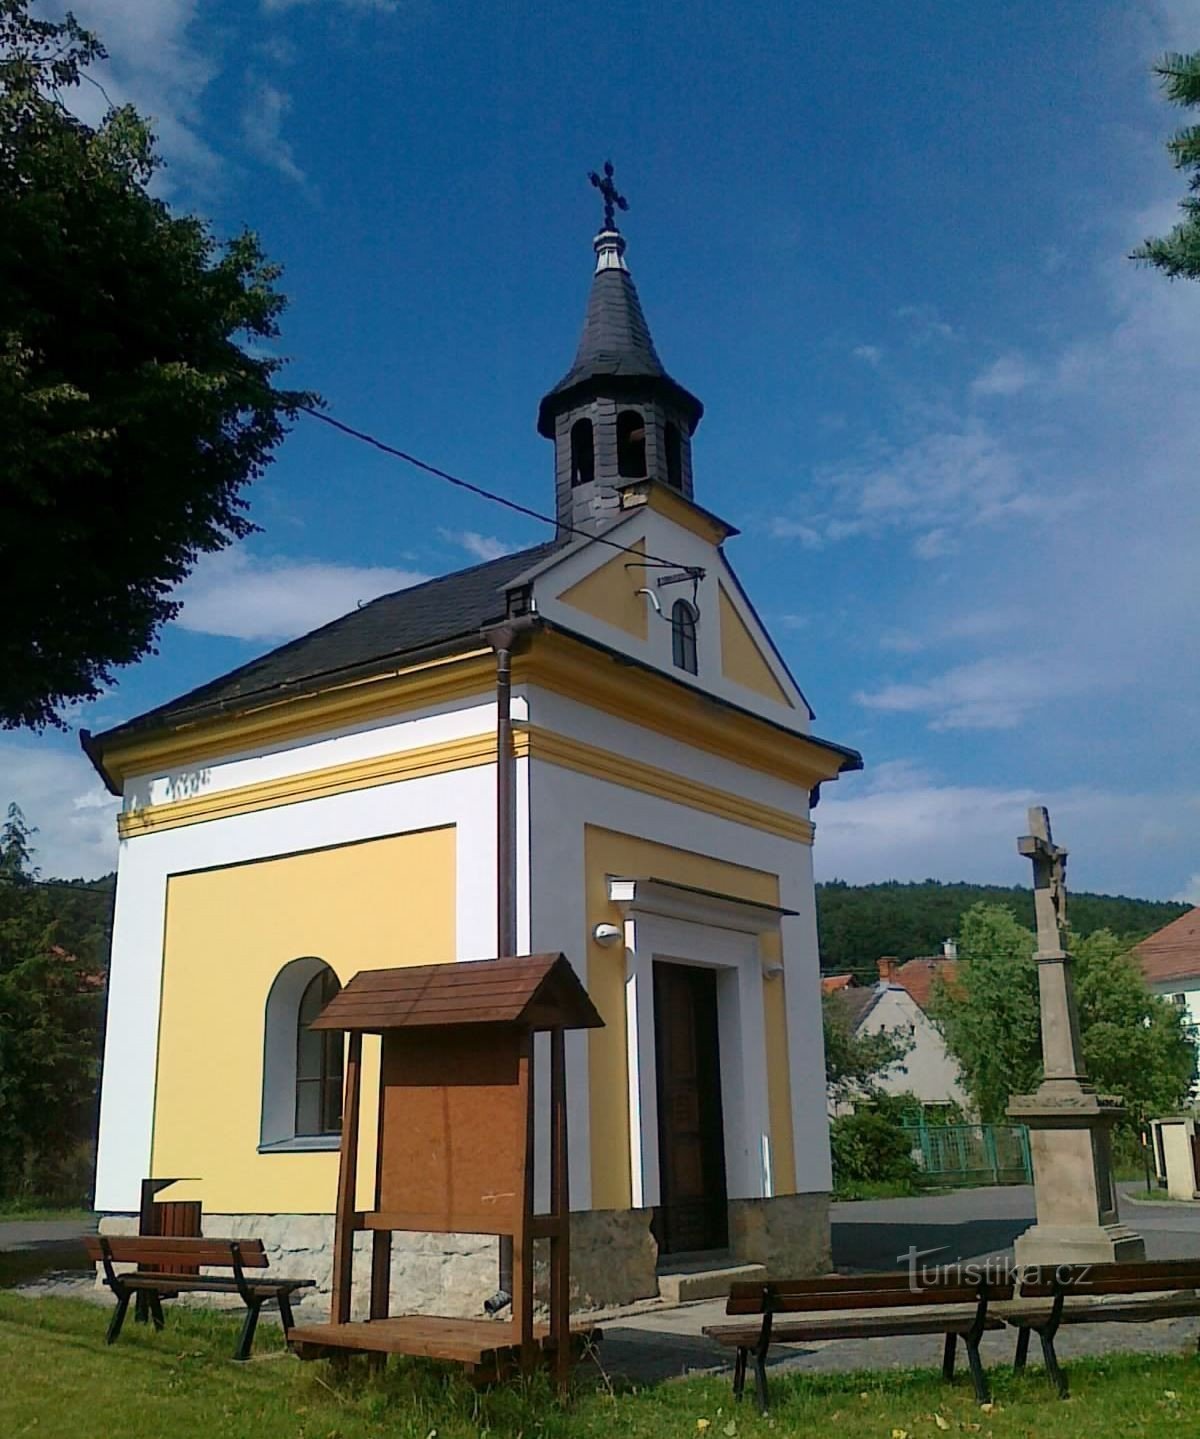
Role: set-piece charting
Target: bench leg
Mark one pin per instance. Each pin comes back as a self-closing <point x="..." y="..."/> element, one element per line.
<point x="739" y="1373"/>
<point x="114" y="1324"/>
<point x="978" y="1377"/>
<point x="285" y="1314"/>
<point x="156" y="1310"/>
<point x="248" y="1328"/>
<point x="948" y="1358"/>
<point x="1057" y="1377"/>
<point x="141" y="1308"/>
<point x="760" y="1381"/>
<point x="1022" y="1353"/>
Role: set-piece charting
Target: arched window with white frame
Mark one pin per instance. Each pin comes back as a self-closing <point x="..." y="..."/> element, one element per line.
<point x="302" y="1067"/>
<point x="683" y="636"/>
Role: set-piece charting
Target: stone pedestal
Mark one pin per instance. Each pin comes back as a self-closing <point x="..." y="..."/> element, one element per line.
<point x="1070" y="1128"/>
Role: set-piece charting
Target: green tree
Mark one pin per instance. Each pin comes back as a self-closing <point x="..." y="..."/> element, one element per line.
<point x="1135" y="1044"/>
<point x="989" y="1015"/>
<point x="854" y="1063"/>
<point x="51" y="1008"/>
<point x="131" y="414"/>
<point x="1178" y="253"/>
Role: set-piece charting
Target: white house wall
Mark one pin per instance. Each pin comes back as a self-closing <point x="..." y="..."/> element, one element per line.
<point x="927" y="1070"/>
<point x="464" y="798"/>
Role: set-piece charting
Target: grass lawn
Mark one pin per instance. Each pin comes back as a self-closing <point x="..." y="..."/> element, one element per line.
<point x="61" y="1380"/>
<point x="35" y="1213"/>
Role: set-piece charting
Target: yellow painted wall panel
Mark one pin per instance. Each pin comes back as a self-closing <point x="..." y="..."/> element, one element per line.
<point x="609" y="594"/>
<point x="741" y="659"/>
<point x="229" y="931"/>
<point x="607" y="853"/>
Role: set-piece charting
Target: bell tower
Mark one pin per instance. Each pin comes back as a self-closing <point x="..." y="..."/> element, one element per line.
<point x="616" y="417"/>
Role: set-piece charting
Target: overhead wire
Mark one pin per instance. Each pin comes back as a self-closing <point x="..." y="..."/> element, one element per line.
<point x="335" y="424"/>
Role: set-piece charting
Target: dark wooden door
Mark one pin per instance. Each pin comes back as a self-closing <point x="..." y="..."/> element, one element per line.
<point x="691" y="1143"/>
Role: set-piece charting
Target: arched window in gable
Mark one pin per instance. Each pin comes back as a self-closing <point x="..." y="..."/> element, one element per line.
<point x="683" y="636"/>
<point x="631" y="445"/>
<point x="583" y="453"/>
<point x="302" y="1068"/>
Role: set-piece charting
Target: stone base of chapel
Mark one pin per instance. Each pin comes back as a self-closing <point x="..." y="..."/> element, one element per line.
<point x="614" y="1257"/>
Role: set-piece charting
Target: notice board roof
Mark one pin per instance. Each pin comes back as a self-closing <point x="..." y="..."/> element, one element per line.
<point x="539" y="991"/>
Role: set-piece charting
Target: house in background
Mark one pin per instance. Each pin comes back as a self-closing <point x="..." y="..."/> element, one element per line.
<point x="898" y="1001"/>
<point x="1170" y="961"/>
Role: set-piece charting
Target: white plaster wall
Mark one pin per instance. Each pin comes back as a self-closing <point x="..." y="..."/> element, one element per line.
<point x="457" y="719"/>
<point x="1189" y="988"/>
<point x="927" y="1070"/>
<point x="465" y="799"/>
<point x="562" y="802"/>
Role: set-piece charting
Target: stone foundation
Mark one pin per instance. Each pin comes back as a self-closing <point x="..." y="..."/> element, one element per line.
<point x="788" y="1234"/>
<point x="613" y="1255"/>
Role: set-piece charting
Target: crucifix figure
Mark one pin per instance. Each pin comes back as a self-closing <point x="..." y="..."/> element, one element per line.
<point x="612" y="196"/>
<point x="1049" y="880"/>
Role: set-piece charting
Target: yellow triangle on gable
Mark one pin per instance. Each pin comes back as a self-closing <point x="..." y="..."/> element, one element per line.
<point x="742" y="661"/>
<point x="609" y="593"/>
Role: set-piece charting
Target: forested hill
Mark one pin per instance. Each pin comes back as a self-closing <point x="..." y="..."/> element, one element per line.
<point x="860" y="922"/>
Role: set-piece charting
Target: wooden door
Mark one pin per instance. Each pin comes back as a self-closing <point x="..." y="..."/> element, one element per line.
<point x="692" y="1215"/>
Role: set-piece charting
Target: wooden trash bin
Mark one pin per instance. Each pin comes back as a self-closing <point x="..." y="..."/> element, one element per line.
<point x="455" y="1151"/>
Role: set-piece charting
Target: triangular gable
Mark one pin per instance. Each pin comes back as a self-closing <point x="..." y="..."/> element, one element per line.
<point x="742" y="659"/>
<point x="609" y="594"/>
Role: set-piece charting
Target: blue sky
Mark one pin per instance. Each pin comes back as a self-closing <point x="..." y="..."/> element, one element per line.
<point x="885" y="244"/>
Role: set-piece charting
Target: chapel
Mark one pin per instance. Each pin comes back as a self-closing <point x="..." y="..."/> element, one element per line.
<point x="590" y="747"/>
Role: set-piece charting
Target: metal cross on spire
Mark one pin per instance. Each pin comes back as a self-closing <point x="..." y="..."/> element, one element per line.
<point x="612" y="196"/>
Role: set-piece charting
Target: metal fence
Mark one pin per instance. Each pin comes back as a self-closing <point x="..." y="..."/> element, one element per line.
<point x="964" y="1154"/>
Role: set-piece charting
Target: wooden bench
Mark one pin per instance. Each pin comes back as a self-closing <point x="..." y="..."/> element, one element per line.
<point x="175" y="1270"/>
<point x="1132" y="1293"/>
<point x="915" y="1304"/>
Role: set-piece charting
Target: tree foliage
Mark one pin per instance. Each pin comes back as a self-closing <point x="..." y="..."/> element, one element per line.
<point x="859" y="923"/>
<point x="1178" y="253"/>
<point x="131" y="416"/>
<point x="51" y="1011"/>
<point x="855" y="1063"/>
<point x="1135" y="1044"/>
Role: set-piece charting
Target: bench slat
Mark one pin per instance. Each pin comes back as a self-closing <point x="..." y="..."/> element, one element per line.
<point x="791" y="1331"/>
<point x="211" y="1283"/>
<point x="805" y="1296"/>
<point x="153" y="1249"/>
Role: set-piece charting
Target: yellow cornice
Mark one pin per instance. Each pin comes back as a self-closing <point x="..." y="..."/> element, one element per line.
<point x="416" y="763"/>
<point x="662" y="784"/>
<point x="581" y="672"/>
<point x="528" y="742"/>
<point x="407" y="688"/>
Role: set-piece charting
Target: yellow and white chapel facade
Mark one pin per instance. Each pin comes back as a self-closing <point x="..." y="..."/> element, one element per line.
<point x="333" y="807"/>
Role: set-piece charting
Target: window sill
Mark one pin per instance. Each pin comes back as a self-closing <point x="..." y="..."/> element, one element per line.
<point x="303" y="1144"/>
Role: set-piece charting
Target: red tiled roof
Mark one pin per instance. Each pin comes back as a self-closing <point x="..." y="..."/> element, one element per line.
<point x="831" y="983"/>
<point x="1172" y="952"/>
<point x="919" y="975"/>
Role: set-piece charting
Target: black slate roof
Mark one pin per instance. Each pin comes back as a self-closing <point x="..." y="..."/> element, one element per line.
<point x="615" y="344"/>
<point x="451" y="607"/>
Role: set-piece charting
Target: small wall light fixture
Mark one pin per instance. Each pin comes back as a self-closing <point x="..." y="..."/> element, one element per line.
<point x="772" y="971"/>
<point x="607" y="934"/>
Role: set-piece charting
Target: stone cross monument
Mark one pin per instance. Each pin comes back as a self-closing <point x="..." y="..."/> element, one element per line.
<point x="1070" y="1124"/>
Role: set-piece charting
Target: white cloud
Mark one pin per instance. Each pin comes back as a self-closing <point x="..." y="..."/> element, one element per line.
<point x="245" y="597"/>
<point x="924" y="323"/>
<point x="784" y="529"/>
<point x="1008" y="375"/>
<point x="61" y="794"/>
<point x="898" y="821"/>
<point x="263" y="114"/>
<point x="868" y="354"/>
<point x="156" y="64"/>
<point x="933" y="544"/>
<point x="1190" y="893"/>
<point x="993" y="693"/>
<point x="483" y="547"/>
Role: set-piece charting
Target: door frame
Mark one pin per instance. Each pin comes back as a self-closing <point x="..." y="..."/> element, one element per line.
<point x="664" y="922"/>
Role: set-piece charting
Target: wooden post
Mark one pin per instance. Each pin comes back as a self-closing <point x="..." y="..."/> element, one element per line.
<point x="343" y="1229"/>
<point x="560" y="1209"/>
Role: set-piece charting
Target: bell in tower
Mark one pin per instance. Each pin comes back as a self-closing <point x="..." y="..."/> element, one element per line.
<point x="616" y="417"/>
